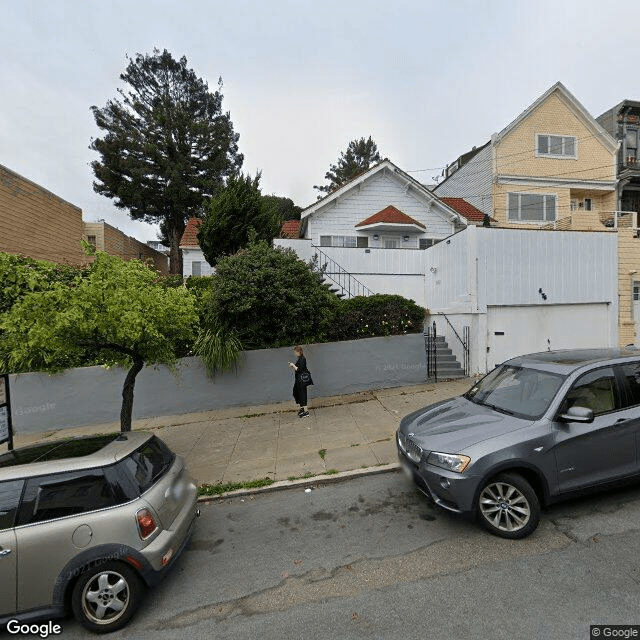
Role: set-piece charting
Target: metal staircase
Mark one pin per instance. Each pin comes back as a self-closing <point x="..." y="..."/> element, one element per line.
<point x="337" y="279"/>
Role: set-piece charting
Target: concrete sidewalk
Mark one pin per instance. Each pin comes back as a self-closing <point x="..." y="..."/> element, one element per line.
<point x="342" y="433"/>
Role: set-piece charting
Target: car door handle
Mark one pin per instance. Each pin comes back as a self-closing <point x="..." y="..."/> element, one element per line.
<point x="621" y="420"/>
<point x="5" y="552"/>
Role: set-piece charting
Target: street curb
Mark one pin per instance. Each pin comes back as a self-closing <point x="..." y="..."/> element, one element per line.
<point x="323" y="479"/>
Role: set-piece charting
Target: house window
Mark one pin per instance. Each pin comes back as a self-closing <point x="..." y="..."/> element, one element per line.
<point x="92" y="241"/>
<point x="425" y="243"/>
<point x="390" y="243"/>
<point x="196" y="268"/>
<point x="588" y="204"/>
<point x="531" y="207"/>
<point x="556" y="146"/>
<point x="344" y="241"/>
<point x="636" y="291"/>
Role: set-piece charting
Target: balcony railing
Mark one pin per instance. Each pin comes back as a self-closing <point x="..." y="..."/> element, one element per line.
<point x="619" y="219"/>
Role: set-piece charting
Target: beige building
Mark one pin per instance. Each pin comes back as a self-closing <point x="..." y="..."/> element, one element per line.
<point x="553" y="166"/>
<point x="37" y="223"/>
<point x="111" y="240"/>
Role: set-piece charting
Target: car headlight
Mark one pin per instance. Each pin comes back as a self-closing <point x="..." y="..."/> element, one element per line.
<point x="449" y="461"/>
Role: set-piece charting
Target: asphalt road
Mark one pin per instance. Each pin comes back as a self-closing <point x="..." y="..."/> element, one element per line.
<point x="370" y="558"/>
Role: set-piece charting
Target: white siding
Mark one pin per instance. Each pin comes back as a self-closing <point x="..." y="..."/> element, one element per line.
<point x="496" y="275"/>
<point x="569" y="267"/>
<point x="189" y="256"/>
<point x="381" y="190"/>
<point x="473" y="182"/>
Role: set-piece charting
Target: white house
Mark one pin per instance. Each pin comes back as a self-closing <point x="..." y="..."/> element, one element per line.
<point x="193" y="260"/>
<point x="521" y="291"/>
<point x="371" y="233"/>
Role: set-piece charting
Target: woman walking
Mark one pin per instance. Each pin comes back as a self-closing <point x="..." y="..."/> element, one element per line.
<point x="301" y="382"/>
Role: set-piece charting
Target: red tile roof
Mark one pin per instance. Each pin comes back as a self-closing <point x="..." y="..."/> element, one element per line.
<point x="390" y="215"/>
<point x="464" y="208"/>
<point x="189" y="237"/>
<point x="290" y="229"/>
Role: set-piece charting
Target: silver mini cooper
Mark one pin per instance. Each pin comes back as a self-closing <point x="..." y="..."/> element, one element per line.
<point x="87" y="523"/>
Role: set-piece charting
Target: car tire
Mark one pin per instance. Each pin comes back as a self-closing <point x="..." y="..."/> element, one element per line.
<point x="508" y="507"/>
<point x="106" y="596"/>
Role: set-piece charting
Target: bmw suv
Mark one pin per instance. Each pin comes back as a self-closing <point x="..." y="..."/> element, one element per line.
<point x="535" y="430"/>
<point x="87" y="523"/>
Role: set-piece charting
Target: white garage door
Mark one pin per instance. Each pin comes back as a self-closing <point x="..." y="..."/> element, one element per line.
<point x="513" y="331"/>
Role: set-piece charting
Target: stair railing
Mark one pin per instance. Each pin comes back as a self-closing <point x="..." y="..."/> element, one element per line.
<point x="431" y="349"/>
<point x="348" y="283"/>
<point x="464" y="341"/>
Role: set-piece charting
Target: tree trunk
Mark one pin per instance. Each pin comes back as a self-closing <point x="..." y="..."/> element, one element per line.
<point x="175" y="255"/>
<point x="127" y="393"/>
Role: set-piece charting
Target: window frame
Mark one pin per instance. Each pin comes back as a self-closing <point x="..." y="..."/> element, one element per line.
<point x="199" y="263"/>
<point x="544" y="196"/>
<point x="620" y="385"/>
<point x="16" y="510"/>
<point x="558" y="156"/>
<point x="109" y="474"/>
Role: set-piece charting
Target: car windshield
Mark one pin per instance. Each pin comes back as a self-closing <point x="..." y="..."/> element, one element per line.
<point x="520" y="391"/>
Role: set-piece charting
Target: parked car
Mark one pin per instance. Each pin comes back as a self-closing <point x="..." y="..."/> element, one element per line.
<point x="537" y="429"/>
<point x="87" y="523"/>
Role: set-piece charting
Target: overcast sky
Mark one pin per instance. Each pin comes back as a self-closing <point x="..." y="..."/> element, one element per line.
<point x="427" y="79"/>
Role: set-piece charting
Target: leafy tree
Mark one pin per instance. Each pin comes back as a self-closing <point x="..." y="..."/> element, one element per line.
<point x="287" y="210"/>
<point x="117" y="314"/>
<point x="167" y="145"/>
<point x="360" y="155"/>
<point x="235" y="214"/>
<point x="270" y="297"/>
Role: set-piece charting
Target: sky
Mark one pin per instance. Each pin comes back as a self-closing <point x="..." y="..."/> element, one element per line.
<point x="426" y="79"/>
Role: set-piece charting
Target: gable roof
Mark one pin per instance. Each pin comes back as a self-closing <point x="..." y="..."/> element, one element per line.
<point x="465" y="208"/>
<point x="393" y="170"/>
<point x="390" y="215"/>
<point x="190" y="235"/>
<point x="290" y="229"/>
<point x="574" y="104"/>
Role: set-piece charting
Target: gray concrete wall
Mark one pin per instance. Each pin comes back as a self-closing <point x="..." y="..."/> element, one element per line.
<point x="92" y="395"/>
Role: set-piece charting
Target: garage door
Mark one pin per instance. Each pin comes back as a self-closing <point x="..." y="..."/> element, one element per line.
<point x="513" y="331"/>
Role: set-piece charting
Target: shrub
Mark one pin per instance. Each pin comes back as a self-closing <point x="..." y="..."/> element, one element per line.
<point x="379" y="315"/>
<point x="270" y="297"/>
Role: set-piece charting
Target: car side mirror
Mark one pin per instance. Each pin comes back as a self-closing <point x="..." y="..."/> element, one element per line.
<point x="577" y="414"/>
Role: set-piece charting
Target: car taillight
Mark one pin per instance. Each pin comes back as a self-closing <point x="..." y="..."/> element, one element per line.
<point x="146" y="523"/>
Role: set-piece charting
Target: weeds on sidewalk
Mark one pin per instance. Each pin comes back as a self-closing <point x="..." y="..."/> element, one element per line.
<point x="329" y="472"/>
<point x="322" y="453"/>
<point x="217" y="489"/>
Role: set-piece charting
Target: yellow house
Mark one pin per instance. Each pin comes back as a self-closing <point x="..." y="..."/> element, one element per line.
<point x="553" y="166"/>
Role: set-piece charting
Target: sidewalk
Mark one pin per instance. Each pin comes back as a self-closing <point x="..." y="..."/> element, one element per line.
<point x="342" y="433"/>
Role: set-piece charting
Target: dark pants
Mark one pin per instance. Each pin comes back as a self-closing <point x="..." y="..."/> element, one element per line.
<point x="300" y="394"/>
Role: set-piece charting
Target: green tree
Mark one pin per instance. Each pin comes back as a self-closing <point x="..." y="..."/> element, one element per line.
<point x="360" y="155"/>
<point x="233" y="215"/>
<point x="270" y="297"/>
<point x="117" y="314"/>
<point x="167" y="145"/>
<point x="287" y="210"/>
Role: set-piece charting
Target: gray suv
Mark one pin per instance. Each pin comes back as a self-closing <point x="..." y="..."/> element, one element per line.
<point x="87" y="523"/>
<point x="537" y="429"/>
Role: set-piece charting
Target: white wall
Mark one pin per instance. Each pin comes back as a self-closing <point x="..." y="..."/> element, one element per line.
<point x="394" y="271"/>
<point x="473" y="182"/>
<point x="496" y="275"/>
<point x="191" y="255"/>
<point x="381" y="190"/>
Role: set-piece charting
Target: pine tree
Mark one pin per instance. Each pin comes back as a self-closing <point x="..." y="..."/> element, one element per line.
<point x="167" y="145"/>
<point x="359" y="156"/>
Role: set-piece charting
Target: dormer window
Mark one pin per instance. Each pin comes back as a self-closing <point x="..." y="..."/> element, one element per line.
<point x="552" y="146"/>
